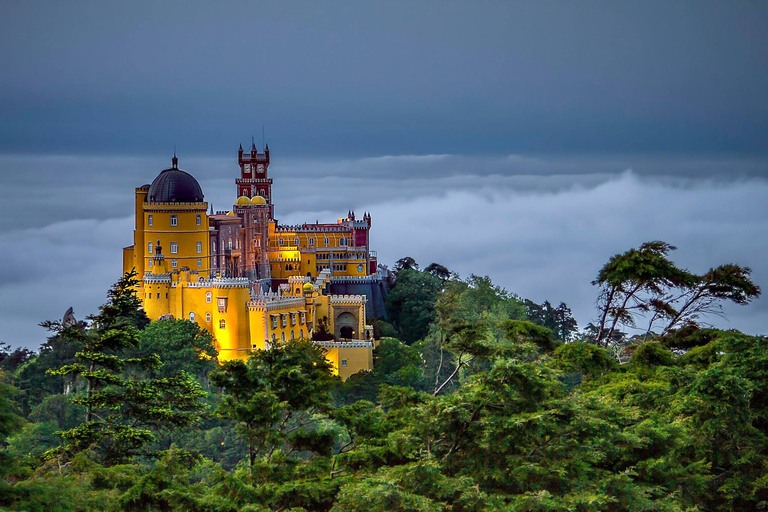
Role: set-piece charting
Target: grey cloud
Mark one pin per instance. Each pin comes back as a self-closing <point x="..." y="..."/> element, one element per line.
<point x="542" y="235"/>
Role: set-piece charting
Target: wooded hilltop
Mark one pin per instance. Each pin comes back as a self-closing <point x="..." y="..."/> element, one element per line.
<point x="479" y="400"/>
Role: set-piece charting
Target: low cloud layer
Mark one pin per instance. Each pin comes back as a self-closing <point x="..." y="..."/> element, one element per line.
<point x="540" y="227"/>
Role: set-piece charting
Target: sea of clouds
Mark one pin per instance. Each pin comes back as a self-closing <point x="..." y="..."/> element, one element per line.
<point x="539" y="226"/>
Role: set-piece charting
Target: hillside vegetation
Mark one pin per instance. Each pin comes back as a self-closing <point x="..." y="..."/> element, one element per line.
<point x="480" y="400"/>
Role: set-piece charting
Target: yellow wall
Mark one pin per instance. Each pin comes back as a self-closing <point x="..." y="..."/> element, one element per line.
<point x="186" y="234"/>
<point x="357" y="359"/>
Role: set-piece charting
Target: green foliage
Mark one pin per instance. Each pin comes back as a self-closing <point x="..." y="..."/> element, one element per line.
<point x="122" y="409"/>
<point x="181" y="345"/>
<point x="411" y="303"/>
<point x="276" y="392"/>
<point x="487" y="411"/>
<point x="645" y="283"/>
<point x="589" y="360"/>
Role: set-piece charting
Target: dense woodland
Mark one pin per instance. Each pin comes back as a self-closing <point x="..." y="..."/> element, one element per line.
<point x="479" y="400"/>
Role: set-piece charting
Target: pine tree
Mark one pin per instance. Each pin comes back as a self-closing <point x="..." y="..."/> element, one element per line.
<point x="122" y="406"/>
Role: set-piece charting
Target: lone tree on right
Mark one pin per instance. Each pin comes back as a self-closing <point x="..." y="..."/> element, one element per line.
<point x="644" y="286"/>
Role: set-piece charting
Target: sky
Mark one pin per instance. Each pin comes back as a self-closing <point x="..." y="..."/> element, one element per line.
<point x="527" y="141"/>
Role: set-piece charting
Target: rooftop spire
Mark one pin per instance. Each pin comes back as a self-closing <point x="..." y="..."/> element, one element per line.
<point x="174" y="160"/>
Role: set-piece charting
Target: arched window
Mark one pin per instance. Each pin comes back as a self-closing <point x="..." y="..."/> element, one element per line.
<point x="296" y="241"/>
<point x="343" y="241"/>
<point x="150" y="263"/>
<point x="282" y="337"/>
<point x="280" y="241"/>
<point x="222" y="324"/>
<point x="149" y="220"/>
<point x="173" y="263"/>
<point x="230" y="242"/>
<point x="311" y="240"/>
<point x="274" y="337"/>
<point x="326" y="241"/>
<point x="208" y="296"/>
<point x="208" y="317"/>
<point x="149" y="247"/>
<point x="198" y="220"/>
<point x="191" y="316"/>
<point x="213" y="247"/>
<point x="199" y="247"/>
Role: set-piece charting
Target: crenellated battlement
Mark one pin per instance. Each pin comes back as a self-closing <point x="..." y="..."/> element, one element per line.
<point x="220" y="282"/>
<point x="348" y="299"/>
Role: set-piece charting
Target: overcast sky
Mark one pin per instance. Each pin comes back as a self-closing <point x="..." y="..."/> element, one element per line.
<point x="526" y="141"/>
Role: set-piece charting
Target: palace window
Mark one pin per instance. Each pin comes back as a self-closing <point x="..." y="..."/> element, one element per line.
<point x="301" y="333"/>
<point x="360" y="267"/>
<point x="222" y="304"/>
<point x="213" y="247"/>
<point x="296" y="241"/>
<point x="198" y="220"/>
<point x="199" y="262"/>
<point x="282" y="337"/>
<point x="174" y="220"/>
<point x="158" y="295"/>
<point x="150" y="263"/>
<point x="174" y="248"/>
<point x="293" y="335"/>
<point x="191" y="316"/>
<point x="149" y="247"/>
<point x="222" y="324"/>
<point x="274" y="322"/>
<point x="274" y="337"/>
<point x="284" y="319"/>
<point x="199" y="247"/>
<point x="311" y="241"/>
<point x="208" y="317"/>
<point x="280" y="242"/>
<point x="149" y="220"/>
<point x="230" y="242"/>
<point x="344" y="362"/>
<point x="343" y="241"/>
<point x="208" y="297"/>
<point x="326" y="241"/>
<point x="173" y="263"/>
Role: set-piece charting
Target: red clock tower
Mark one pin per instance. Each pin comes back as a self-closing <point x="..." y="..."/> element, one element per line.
<point x="254" y="180"/>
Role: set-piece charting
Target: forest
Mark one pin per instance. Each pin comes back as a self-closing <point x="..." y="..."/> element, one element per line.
<point x="479" y="400"/>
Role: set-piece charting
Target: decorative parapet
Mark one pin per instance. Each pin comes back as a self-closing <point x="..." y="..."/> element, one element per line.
<point x="272" y="303"/>
<point x="221" y="282"/>
<point x="313" y="228"/>
<point x="349" y="299"/>
<point x="201" y="206"/>
<point x="344" y="344"/>
<point x="157" y="278"/>
<point x="374" y="278"/>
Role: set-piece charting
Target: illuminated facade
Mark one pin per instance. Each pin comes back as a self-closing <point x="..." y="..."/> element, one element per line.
<point x="245" y="278"/>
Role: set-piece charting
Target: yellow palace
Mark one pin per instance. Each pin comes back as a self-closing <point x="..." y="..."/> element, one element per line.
<point x="245" y="278"/>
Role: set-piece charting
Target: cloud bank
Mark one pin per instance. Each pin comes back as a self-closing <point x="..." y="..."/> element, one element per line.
<point x="540" y="227"/>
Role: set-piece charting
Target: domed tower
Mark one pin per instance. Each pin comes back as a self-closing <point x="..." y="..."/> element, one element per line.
<point x="171" y="212"/>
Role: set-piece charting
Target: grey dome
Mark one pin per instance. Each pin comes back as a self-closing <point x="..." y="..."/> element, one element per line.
<point x="175" y="186"/>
